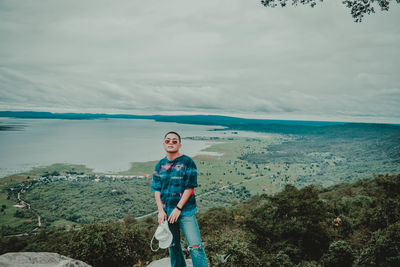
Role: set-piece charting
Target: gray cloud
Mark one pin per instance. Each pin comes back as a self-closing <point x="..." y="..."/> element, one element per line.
<point x="220" y="57"/>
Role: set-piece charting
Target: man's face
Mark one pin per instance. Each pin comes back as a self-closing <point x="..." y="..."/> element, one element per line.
<point x="171" y="143"/>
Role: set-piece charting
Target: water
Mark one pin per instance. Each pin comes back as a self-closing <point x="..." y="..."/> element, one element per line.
<point x="105" y="145"/>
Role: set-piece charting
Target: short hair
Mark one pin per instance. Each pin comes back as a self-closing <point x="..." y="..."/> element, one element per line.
<point x="179" y="137"/>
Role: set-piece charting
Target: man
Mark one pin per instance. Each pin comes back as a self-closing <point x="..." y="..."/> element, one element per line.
<point x="174" y="180"/>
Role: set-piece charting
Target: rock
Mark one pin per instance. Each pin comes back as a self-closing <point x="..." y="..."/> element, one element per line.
<point x="165" y="263"/>
<point x="38" y="259"/>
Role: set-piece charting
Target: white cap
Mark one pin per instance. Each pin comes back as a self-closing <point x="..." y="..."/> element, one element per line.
<point x="163" y="235"/>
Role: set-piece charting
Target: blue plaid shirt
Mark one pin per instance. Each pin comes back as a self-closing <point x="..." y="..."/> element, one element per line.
<point x="171" y="178"/>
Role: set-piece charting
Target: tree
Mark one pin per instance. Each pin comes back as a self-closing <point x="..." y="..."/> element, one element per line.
<point x="339" y="254"/>
<point x="109" y="244"/>
<point x="281" y="260"/>
<point x="358" y="8"/>
<point x="55" y="173"/>
<point x="383" y="248"/>
<point x="293" y="221"/>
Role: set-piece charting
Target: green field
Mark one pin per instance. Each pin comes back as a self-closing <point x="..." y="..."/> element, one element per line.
<point x="7" y="212"/>
<point x="244" y="167"/>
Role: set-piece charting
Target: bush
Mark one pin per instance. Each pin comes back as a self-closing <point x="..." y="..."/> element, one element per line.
<point x="231" y="248"/>
<point x="24" y="213"/>
<point x="213" y="219"/>
<point x="109" y="244"/>
<point x="339" y="254"/>
<point x="295" y="219"/>
<point x="383" y="248"/>
<point x="281" y="260"/>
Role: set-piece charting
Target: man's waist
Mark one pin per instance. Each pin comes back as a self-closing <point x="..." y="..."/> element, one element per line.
<point x="172" y="203"/>
<point x="186" y="211"/>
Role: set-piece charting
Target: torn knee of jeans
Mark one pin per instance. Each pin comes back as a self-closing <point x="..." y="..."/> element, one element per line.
<point x="194" y="246"/>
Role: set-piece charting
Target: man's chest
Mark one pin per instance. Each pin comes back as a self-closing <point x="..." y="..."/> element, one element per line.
<point x="172" y="172"/>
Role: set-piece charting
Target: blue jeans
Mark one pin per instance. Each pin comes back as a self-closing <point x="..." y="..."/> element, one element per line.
<point x="190" y="229"/>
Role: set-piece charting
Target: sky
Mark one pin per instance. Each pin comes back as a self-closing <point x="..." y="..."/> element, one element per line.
<point x="227" y="57"/>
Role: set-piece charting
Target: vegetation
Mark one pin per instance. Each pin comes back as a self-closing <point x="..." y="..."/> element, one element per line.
<point x="104" y="243"/>
<point x="358" y="8"/>
<point x="352" y="224"/>
<point x="325" y="156"/>
<point x="337" y="156"/>
<point x="92" y="217"/>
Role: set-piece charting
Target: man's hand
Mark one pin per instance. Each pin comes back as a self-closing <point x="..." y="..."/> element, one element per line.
<point x="174" y="215"/>
<point x="161" y="216"/>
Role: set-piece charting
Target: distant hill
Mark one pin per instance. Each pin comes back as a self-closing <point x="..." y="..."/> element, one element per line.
<point x="66" y="116"/>
<point x="262" y="125"/>
<point x="185" y="119"/>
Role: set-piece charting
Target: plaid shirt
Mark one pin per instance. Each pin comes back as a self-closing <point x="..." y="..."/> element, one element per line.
<point x="171" y="178"/>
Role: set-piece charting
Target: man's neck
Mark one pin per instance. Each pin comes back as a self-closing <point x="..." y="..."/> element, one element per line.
<point x="172" y="156"/>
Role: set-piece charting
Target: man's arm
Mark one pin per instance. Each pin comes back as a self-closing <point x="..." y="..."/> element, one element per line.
<point x="161" y="213"/>
<point x="176" y="213"/>
<point x="185" y="197"/>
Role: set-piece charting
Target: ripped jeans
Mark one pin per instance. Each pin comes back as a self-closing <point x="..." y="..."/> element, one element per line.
<point x="190" y="229"/>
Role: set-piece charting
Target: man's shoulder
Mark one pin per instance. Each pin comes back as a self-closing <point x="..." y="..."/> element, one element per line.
<point x="161" y="161"/>
<point x="188" y="161"/>
<point x="186" y="158"/>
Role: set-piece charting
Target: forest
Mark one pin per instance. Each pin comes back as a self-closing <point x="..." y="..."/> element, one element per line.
<point x="348" y="224"/>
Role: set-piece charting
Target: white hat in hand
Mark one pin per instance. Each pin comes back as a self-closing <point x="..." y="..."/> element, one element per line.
<point x="163" y="235"/>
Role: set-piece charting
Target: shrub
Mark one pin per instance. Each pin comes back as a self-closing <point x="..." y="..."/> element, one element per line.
<point x="292" y="218"/>
<point x="109" y="244"/>
<point x="281" y="260"/>
<point x="383" y="248"/>
<point x="339" y="254"/>
<point x="231" y="248"/>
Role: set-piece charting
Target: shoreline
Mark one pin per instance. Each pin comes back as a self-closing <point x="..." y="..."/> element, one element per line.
<point x="206" y="150"/>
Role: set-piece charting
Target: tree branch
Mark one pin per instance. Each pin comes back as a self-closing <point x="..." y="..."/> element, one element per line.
<point x="358" y="8"/>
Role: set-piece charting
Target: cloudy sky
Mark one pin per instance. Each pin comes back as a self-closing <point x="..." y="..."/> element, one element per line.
<point x="230" y="57"/>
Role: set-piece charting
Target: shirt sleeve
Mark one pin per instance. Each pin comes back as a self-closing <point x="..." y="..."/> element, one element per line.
<point x="190" y="178"/>
<point x="156" y="183"/>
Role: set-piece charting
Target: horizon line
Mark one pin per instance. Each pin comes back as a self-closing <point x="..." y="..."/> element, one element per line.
<point x="180" y="115"/>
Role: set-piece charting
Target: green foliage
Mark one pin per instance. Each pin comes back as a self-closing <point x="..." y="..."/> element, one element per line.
<point x="83" y="201"/>
<point x="281" y="260"/>
<point x="108" y="244"/>
<point x="383" y="248"/>
<point x="294" y="222"/>
<point x="13" y="244"/>
<point x="24" y="213"/>
<point x="334" y="155"/>
<point x="215" y="217"/>
<point x="336" y="226"/>
<point x="358" y="8"/>
<point x="339" y="254"/>
<point x="229" y="247"/>
<point x="385" y="208"/>
<point x="99" y="244"/>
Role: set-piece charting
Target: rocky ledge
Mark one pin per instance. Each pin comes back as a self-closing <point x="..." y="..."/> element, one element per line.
<point x="38" y="259"/>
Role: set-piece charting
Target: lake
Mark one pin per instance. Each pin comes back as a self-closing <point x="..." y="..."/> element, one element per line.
<point x="108" y="145"/>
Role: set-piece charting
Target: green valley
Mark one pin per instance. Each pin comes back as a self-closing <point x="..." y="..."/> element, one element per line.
<point x="64" y="195"/>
